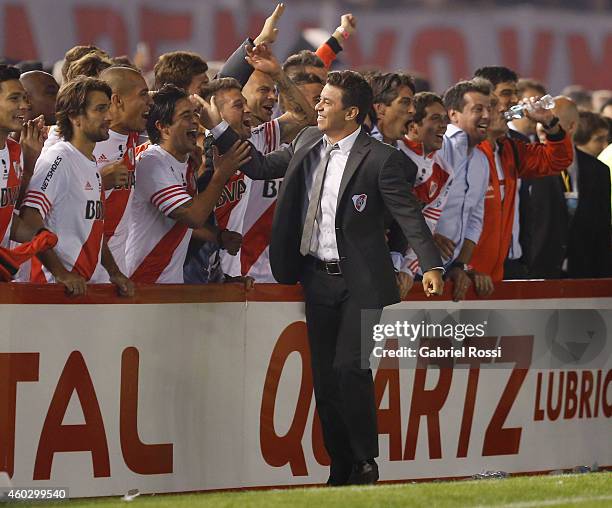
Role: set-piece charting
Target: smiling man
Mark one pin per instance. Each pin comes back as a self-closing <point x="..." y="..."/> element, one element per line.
<point x="247" y="206"/>
<point x="424" y="138"/>
<point x="459" y="222"/>
<point x="17" y="160"/>
<point x="509" y="161"/>
<point x="165" y="208"/>
<point x="116" y="157"/>
<point x="328" y="234"/>
<point x="65" y="193"/>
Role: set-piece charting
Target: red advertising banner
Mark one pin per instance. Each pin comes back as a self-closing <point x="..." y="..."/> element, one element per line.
<point x="188" y="388"/>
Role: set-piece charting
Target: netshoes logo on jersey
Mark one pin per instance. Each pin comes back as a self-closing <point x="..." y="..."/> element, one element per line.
<point x="47" y="179"/>
<point x="8" y="196"/>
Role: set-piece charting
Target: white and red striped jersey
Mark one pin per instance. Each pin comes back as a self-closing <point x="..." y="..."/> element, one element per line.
<point x="66" y="189"/>
<point x="431" y="187"/>
<point x="11" y="160"/>
<point x="247" y="206"/>
<point x="156" y="244"/>
<point x="117" y="204"/>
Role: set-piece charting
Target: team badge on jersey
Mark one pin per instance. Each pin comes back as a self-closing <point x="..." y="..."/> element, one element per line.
<point x="433" y="187"/>
<point x="360" y="200"/>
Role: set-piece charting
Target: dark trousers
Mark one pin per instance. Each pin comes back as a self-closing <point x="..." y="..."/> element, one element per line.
<point x="344" y="391"/>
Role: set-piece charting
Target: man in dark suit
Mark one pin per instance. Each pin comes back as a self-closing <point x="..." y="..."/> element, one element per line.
<point x="328" y="234"/>
<point x="570" y="214"/>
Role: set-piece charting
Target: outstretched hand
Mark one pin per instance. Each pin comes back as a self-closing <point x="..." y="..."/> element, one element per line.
<point x="227" y="164"/>
<point x="261" y="59"/>
<point x="269" y="32"/>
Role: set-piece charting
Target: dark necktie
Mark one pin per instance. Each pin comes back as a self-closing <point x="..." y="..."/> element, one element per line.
<point x="315" y="201"/>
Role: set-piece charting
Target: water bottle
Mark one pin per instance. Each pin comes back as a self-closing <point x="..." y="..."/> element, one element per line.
<point x="518" y="111"/>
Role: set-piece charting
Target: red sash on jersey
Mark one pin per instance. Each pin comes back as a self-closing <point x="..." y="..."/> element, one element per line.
<point x="159" y="258"/>
<point x="116" y="203"/>
<point x="86" y="262"/>
<point x="12" y="186"/>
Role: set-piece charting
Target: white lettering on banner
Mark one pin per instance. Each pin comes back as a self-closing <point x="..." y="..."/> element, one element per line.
<point x="556" y="47"/>
<point x="145" y="394"/>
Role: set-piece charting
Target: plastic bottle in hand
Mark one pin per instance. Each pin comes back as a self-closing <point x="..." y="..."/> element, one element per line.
<point x="518" y="111"/>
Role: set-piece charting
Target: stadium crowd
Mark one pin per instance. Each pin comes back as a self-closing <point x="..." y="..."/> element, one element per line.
<point x="121" y="167"/>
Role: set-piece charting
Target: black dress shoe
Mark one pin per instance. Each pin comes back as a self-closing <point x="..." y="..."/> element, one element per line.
<point x="364" y="473"/>
<point x="339" y="474"/>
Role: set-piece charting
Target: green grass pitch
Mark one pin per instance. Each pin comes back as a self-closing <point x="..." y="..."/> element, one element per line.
<point x="593" y="489"/>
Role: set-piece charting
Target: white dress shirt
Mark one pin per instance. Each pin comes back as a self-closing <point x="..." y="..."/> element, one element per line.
<point x="323" y="244"/>
<point x="463" y="215"/>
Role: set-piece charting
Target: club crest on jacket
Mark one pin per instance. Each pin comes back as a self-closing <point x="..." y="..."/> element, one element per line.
<point x="360" y="200"/>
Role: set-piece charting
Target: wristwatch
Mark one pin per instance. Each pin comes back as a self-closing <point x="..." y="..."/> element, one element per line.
<point x="458" y="264"/>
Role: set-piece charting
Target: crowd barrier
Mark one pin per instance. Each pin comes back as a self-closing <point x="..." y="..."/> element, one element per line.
<point x="193" y="388"/>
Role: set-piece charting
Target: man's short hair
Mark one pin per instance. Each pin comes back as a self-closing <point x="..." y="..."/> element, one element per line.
<point x="306" y="78"/>
<point x="77" y="52"/>
<point x="72" y="101"/>
<point x="8" y="73"/>
<point x="496" y="74"/>
<point x="582" y="97"/>
<point x="219" y="84"/>
<point x="527" y="83"/>
<point x="422" y="101"/>
<point x="90" y="65"/>
<point x="355" y="91"/>
<point x="454" y="97"/>
<point x="588" y="124"/>
<point x="385" y="86"/>
<point x="124" y="61"/>
<point x="162" y="109"/>
<point x="178" y="68"/>
<point x="299" y="61"/>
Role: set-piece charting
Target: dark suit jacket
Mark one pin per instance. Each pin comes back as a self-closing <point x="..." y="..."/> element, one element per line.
<point x="546" y="228"/>
<point x="375" y="169"/>
<point x="583" y="240"/>
<point x="236" y="66"/>
<point x="588" y="247"/>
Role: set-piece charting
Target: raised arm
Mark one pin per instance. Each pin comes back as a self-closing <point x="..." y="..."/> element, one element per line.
<point x="236" y="66"/>
<point x="299" y="111"/>
<point x="328" y="51"/>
